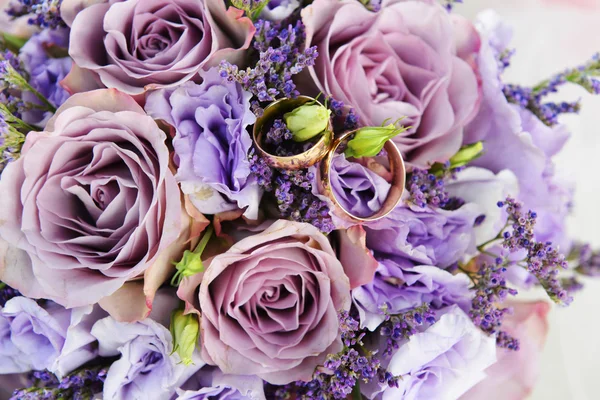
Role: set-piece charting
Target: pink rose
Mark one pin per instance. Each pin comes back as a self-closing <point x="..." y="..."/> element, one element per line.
<point x="514" y="375"/>
<point x="139" y="45"/>
<point x="408" y="60"/>
<point x="92" y="202"/>
<point x="269" y="304"/>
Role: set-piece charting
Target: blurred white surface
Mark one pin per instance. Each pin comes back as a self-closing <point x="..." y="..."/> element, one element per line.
<point x="551" y="35"/>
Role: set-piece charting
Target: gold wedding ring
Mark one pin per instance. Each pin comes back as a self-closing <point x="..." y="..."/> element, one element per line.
<point x="299" y="161"/>
<point x="324" y="150"/>
<point x="394" y="195"/>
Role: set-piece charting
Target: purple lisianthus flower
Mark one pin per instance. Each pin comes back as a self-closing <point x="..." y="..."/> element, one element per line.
<point x="400" y="286"/>
<point x="483" y="188"/>
<point x="444" y="361"/>
<point x="277" y="10"/>
<point x="358" y="189"/>
<point x="441" y="362"/>
<point x="148" y="368"/>
<point x="211" y="142"/>
<point x="424" y="235"/>
<point x="211" y="384"/>
<point x="517" y="140"/>
<point x="45" y="71"/>
<point x="50" y="337"/>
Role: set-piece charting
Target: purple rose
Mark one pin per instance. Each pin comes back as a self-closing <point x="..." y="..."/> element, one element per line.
<point x="147" y="368"/>
<point x="211" y="142"/>
<point x="91" y="201"/>
<point x="51" y="337"/>
<point x="406" y="60"/>
<point x="45" y="71"/>
<point x="269" y="304"/>
<point x="358" y="189"/>
<point x="444" y="361"/>
<point x="401" y="286"/>
<point x="424" y="235"/>
<point x="138" y="45"/>
<point x="517" y="140"/>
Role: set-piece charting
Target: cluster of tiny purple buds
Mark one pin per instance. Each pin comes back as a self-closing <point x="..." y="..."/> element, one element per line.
<point x="490" y="290"/>
<point x="504" y="59"/>
<point x="340" y="372"/>
<point x="43" y="13"/>
<point x="397" y="328"/>
<point x="278" y="141"/>
<point x="339" y="109"/>
<point x="542" y="260"/>
<point x="82" y="384"/>
<point x="428" y="189"/>
<point x="7" y="293"/>
<point x="532" y="98"/>
<point x="588" y="261"/>
<point x="293" y="193"/>
<point x="279" y="60"/>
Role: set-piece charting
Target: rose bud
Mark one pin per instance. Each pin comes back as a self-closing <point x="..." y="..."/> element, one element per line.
<point x="185" y="330"/>
<point x="369" y="141"/>
<point x="307" y="121"/>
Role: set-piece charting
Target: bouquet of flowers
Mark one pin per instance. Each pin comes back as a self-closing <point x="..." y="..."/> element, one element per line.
<point x="276" y="199"/>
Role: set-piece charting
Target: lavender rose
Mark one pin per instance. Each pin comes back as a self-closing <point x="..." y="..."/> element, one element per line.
<point x="211" y="142"/>
<point x="91" y="200"/>
<point x="424" y="235"/>
<point x="211" y="384"/>
<point x="358" y="189"/>
<point x="392" y="64"/>
<point x="138" y="45"/>
<point x="401" y="286"/>
<point x="269" y="304"/>
<point x="50" y="337"/>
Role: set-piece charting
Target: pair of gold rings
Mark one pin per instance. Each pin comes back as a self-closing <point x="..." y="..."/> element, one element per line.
<point x="323" y="151"/>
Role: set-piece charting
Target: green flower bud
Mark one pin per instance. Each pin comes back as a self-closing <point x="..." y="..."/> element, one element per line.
<point x="369" y="141"/>
<point x="466" y="154"/>
<point x="185" y="330"/>
<point x="307" y="121"/>
<point x="191" y="262"/>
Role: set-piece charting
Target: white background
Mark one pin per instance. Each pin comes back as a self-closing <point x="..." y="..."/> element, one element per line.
<point x="549" y="36"/>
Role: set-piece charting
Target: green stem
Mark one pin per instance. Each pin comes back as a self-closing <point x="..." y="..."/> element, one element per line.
<point x="2" y="285"/>
<point x="356" y="392"/>
<point x="204" y="241"/>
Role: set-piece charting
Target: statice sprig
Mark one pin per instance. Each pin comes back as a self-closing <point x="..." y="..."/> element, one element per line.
<point x="43" y="13"/>
<point x="491" y="290"/>
<point x="585" y="76"/>
<point x="83" y="384"/>
<point x="11" y="78"/>
<point x="542" y="260"/>
<point x="342" y="373"/>
<point x="428" y="189"/>
<point x="397" y="328"/>
<point x="279" y="59"/>
<point x="588" y="260"/>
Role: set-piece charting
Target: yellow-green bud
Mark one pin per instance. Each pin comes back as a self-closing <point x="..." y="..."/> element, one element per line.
<point x="307" y="121"/>
<point x="369" y="141"/>
<point x="185" y="330"/>
<point x="466" y="154"/>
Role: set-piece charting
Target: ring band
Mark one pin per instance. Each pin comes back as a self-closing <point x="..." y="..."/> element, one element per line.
<point x="397" y="169"/>
<point x="299" y="161"/>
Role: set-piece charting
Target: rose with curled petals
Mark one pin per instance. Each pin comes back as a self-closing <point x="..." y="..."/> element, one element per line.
<point x="269" y="304"/>
<point x="91" y="200"/>
<point x="138" y="45"/>
<point x="411" y="59"/>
